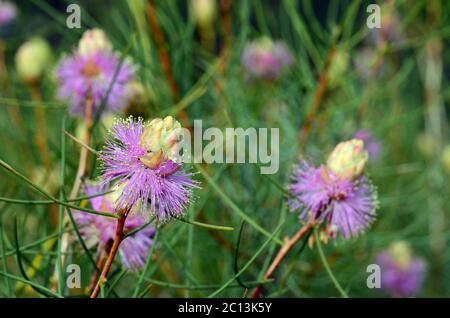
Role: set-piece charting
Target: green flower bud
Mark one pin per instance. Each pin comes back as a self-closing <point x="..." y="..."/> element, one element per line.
<point x="32" y="59"/>
<point x="161" y="138"/>
<point x="204" y="11"/>
<point x="401" y="253"/>
<point x="92" y="41"/>
<point x="348" y="159"/>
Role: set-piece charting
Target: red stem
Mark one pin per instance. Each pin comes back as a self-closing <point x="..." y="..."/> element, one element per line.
<point x="112" y="254"/>
<point x="283" y="252"/>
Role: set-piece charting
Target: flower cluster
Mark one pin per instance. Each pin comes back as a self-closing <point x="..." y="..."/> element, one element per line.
<point x="266" y="59"/>
<point x="99" y="231"/>
<point x="337" y="193"/>
<point x="140" y="158"/>
<point x="402" y="274"/>
<point x="94" y="71"/>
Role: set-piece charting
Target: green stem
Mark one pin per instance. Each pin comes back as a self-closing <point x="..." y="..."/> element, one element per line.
<point x="244" y="268"/>
<point x="208" y="226"/>
<point x="327" y="266"/>
<point x="147" y="265"/>
<point x="49" y="196"/>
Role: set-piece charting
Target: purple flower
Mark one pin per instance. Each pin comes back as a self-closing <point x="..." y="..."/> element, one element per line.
<point x="154" y="184"/>
<point x="346" y="205"/>
<point x="100" y="231"/>
<point x="372" y="145"/>
<point x="390" y="32"/>
<point x="8" y="12"/>
<point x="84" y="76"/>
<point x="402" y="274"/>
<point x="265" y="59"/>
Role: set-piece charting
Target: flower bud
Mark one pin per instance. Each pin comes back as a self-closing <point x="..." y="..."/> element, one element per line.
<point x="161" y="138"/>
<point x="204" y="11"/>
<point x="92" y="41"/>
<point x="348" y="159"/>
<point x="445" y="159"/>
<point x="401" y="253"/>
<point x="32" y="59"/>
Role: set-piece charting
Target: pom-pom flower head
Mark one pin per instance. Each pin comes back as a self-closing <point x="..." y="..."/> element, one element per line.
<point x="8" y="12"/>
<point x="140" y="158"/>
<point x="100" y="231"/>
<point x="402" y="274"/>
<point x="345" y="202"/>
<point x="94" y="71"/>
<point x="266" y="59"/>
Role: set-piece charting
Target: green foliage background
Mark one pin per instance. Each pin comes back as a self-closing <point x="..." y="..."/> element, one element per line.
<point x="409" y="116"/>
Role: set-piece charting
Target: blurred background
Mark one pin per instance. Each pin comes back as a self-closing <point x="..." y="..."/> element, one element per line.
<point x="313" y="69"/>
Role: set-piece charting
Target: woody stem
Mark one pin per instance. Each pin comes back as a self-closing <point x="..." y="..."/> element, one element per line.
<point x="82" y="164"/>
<point x="101" y="259"/>
<point x="112" y="254"/>
<point x="283" y="252"/>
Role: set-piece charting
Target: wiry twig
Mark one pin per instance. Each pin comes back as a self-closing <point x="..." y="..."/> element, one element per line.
<point x="41" y="125"/>
<point x="82" y="144"/>
<point x="283" y="252"/>
<point x="112" y="254"/>
<point x="165" y="57"/>
<point x="162" y="49"/>
<point x="317" y="99"/>
<point x="226" y="23"/>
<point x="95" y="277"/>
<point x="82" y="163"/>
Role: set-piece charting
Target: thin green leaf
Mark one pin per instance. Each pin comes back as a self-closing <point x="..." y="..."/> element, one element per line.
<point x="146" y="267"/>
<point x="208" y="226"/>
<point x="38" y="288"/>
<point x="244" y="268"/>
<point x="32" y="284"/>
<point x="236" y="255"/>
<point x="327" y="267"/>
<point x="49" y="196"/>
<point x="59" y="258"/>
<point x="5" y="268"/>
